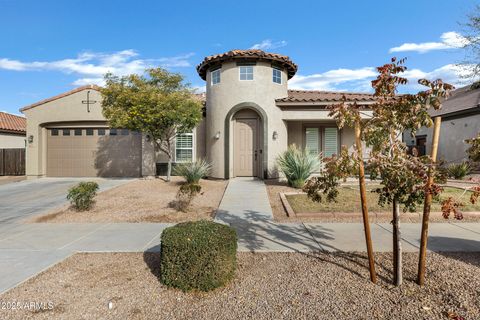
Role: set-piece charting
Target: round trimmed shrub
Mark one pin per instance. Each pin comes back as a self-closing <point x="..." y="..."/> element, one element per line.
<point x="198" y="255"/>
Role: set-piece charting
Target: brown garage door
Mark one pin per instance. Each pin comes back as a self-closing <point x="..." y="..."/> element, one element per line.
<point x="93" y="152"/>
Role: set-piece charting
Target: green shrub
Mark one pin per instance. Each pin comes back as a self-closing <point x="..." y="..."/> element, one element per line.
<point x="459" y="171"/>
<point x="198" y="255"/>
<point x="81" y="195"/>
<point x="193" y="171"/>
<point x="298" y="165"/>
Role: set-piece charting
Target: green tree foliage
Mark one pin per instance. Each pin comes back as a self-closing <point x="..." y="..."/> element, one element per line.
<point x="158" y="104"/>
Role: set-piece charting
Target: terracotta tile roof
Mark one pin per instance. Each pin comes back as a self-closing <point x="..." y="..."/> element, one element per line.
<point x="36" y="104"/>
<point x="324" y="96"/>
<point x="12" y="123"/>
<point x="246" y="54"/>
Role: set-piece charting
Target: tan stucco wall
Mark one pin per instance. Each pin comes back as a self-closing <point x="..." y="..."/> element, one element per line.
<point x="8" y="140"/>
<point x="453" y="132"/>
<point x="230" y="92"/>
<point x="67" y="111"/>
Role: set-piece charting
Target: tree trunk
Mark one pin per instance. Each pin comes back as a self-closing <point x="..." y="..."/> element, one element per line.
<point x="427" y="205"/>
<point x="169" y="168"/>
<point x="397" y="245"/>
<point x="363" y="198"/>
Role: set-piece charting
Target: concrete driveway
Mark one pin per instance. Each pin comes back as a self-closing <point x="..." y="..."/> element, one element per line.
<point x="30" y="197"/>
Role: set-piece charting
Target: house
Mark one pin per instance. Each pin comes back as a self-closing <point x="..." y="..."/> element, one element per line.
<point x="251" y="117"/>
<point x="460" y="121"/>
<point x="12" y="131"/>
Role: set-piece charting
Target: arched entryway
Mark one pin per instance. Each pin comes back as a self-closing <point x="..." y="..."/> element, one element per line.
<point x="246" y="149"/>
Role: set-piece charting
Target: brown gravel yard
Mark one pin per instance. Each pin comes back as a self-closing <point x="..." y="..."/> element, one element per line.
<point x="347" y="208"/>
<point x="145" y="200"/>
<point x="267" y="286"/>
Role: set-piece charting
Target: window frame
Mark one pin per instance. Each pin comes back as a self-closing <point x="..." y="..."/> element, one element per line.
<point x="274" y="69"/>
<point x="212" y="76"/>
<point x="193" y="148"/>
<point x="246" y="74"/>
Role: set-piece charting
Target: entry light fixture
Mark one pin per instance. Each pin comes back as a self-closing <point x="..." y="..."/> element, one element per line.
<point x="275" y="135"/>
<point x="217" y="135"/>
<point x="30" y="138"/>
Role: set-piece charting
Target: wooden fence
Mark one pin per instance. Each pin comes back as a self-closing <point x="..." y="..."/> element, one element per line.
<point x="12" y="162"/>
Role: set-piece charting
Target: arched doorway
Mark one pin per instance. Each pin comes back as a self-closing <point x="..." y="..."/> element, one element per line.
<point x="247" y="144"/>
<point x="238" y="114"/>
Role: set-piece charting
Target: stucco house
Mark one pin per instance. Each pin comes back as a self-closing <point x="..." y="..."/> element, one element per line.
<point x="251" y="117"/>
<point x="460" y="121"/>
<point x="12" y="131"/>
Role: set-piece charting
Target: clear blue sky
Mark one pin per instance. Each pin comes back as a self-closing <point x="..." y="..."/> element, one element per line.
<point x="48" y="47"/>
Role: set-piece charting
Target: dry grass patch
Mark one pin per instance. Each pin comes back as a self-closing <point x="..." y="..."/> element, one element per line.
<point x="145" y="200"/>
<point x="267" y="286"/>
<point x="348" y="208"/>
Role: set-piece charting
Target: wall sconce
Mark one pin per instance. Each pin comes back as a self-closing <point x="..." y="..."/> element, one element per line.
<point x="217" y="135"/>
<point x="275" y="135"/>
<point x="30" y="138"/>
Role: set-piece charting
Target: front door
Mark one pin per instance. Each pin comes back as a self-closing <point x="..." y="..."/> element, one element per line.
<point x="245" y="150"/>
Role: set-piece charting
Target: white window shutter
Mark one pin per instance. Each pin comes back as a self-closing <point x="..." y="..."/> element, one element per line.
<point x="331" y="142"/>
<point x="311" y="140"/>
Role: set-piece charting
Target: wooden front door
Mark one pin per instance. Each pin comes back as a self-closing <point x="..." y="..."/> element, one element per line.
<point x="245" y="152"/>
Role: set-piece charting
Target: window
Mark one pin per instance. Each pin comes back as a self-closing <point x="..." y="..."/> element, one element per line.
<point x="184" y="147"/>
<point x="124" y="132"/>
<point x="216" y="76"/>
<point x="89" y="132"/>
<point x="78" y="132"/>
<point x="246" y="72"/>
<point x="322" y="140"/>
<point x="277" y="76"/>
<point x="113" y="132"/>
<point x="54" y="132"/>
<point x="101" y="132"/>
<point x="312" y="140"/>
<point x="331" y="142"/>
<point x="66" y="132"/>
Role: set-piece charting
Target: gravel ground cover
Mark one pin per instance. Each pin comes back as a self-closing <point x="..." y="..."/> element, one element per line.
<point x="267" y="286"/>
<point x="144" y="200"/>
<point x="349" y="202"/>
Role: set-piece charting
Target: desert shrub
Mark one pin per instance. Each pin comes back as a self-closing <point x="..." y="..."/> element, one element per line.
<point x="185" y="195"/>
<point x="459" y="170"/>
<point x="193" y="171"/>
<point x="198" y="255"/>
<point x="82" y="195"/>
<point x="298" y="165"/>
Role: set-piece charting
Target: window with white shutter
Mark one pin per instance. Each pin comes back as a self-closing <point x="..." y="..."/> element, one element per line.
<point x="184" y="147"/>
<point x="331" y="142"/>
<point x="312" y="139"/>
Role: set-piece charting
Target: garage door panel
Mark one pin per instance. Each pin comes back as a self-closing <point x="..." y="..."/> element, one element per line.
<point x="93" y="155"/>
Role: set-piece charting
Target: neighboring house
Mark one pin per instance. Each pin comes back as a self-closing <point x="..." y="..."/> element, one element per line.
<point x="12" y="131"/>
<point x="251" y="117"/>
<point x="460" y="121"/>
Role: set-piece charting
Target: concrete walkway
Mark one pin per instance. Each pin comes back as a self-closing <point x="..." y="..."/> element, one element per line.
<point x="27" y="249"/>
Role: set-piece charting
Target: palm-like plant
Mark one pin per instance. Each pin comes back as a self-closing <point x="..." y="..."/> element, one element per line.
<point x="460" y="170"/>
<point x="297" y="165"/>
<point x="193" y="171"/>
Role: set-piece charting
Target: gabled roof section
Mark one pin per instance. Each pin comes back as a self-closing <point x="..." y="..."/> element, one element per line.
<point x="238" y="55"/>
<point x="461" y="100"/>
<point x="12" y="123"/>
<point x="314" y="96"/>
<point x="65" y="94"/>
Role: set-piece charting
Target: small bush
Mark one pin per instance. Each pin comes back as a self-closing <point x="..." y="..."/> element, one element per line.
<point x="193" y="171"/>
<point x="81" y="195"/>
<point x="185" y="195"/>
<point x="198" y="255"/>
<point x="459" y="171"/>
<point x="298" y="165"/>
